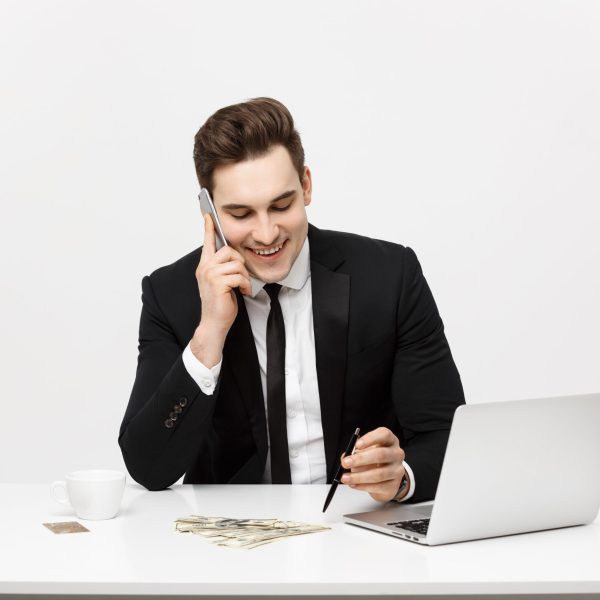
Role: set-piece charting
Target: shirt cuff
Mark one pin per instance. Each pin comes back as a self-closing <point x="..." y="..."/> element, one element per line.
<point x="205" y="378"/>
<point x="411" y="483"/>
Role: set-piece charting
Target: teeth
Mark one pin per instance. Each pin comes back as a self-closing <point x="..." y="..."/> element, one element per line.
<point x="269" y="251"/>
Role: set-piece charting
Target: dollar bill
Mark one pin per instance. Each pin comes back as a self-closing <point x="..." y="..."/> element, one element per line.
<point x="243" y="533"/>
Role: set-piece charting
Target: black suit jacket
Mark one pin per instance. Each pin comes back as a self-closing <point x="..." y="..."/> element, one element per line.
<point x="382" y="360"/>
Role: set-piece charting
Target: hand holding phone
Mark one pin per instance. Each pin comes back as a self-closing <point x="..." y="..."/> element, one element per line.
<point x="220" y="271"/>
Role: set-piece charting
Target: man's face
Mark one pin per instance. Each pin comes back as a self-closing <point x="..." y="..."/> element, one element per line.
<point x="261" y="205"/>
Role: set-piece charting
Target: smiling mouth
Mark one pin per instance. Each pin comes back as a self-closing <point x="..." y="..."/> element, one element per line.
<point x="267" y="251"/>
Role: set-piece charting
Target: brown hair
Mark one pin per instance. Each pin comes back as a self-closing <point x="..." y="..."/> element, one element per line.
<point x="244" y="131"/>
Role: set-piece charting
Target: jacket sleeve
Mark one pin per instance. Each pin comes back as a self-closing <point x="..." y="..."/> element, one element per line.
<point x="426" y="385"/>
<point x="168" y="415"/>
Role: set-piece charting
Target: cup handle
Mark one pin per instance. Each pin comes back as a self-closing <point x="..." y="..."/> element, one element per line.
<point x="59" y="492"/>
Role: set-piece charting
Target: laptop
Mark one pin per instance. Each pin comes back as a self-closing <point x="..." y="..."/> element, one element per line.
<point x="510" y="467"/>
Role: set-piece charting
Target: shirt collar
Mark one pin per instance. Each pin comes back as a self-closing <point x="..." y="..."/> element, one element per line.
<point x="297" y="276"/>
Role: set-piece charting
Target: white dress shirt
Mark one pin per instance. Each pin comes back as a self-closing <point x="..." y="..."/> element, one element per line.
<point x="303" y="408"/>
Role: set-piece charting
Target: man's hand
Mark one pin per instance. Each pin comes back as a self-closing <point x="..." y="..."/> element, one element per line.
<point x="218" y="274"/>
<point x="376" y="466"/>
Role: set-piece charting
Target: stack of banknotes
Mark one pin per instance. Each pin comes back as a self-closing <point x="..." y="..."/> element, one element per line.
<point x="243" y="533"/>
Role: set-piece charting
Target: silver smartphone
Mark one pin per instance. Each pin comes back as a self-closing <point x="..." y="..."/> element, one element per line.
<point x="208" y="208"/>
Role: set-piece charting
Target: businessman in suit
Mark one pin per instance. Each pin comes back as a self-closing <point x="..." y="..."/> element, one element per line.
<point x="257" y="361"/>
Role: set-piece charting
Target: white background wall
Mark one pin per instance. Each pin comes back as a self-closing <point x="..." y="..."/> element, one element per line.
<point x="467" y="130"/>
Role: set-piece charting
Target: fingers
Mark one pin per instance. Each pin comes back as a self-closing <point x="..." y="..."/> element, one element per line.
<point x="379" y="446"/>
<point x="376" y="466"/>
<point x="225" y="254"/>
<point x="377" y="488"/>
<point x="227" y="268"/>
<point x="219" y="263"/>
<point x="375" y="455"/>
<point x="381" y="436"/>
<point x="381" y="482"/>
<point x="220" y="275"/>
<point x="237" y="281"/>
<point x="374" y="475"/>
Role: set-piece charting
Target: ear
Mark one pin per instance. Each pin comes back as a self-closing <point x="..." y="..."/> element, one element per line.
<point x="307" y="186"/>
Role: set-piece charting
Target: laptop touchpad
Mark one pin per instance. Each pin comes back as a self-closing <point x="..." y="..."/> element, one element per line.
<point x="408" y="513"/>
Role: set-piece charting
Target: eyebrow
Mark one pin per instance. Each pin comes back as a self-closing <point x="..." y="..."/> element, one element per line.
<point x="281" y="196"/>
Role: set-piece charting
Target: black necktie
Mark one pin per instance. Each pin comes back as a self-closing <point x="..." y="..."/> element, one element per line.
<point x="280" y="462"/>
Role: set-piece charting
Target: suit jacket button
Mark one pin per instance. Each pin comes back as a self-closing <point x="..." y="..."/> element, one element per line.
<point x="169" y="423"/>
<point x="173" y="416"/>
<point x="177" y="409"/>
<point x="182" y="401"/>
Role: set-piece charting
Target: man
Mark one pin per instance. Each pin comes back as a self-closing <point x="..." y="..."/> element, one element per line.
<point x="258" y="361"/>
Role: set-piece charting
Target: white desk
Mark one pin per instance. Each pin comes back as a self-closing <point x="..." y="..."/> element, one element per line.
<point x="139" y="553"/>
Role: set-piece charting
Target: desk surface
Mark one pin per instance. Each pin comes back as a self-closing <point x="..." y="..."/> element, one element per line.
<point x="139" y="552"/>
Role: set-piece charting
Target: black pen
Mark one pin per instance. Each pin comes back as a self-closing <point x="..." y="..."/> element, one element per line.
<point x="350" y="448"/>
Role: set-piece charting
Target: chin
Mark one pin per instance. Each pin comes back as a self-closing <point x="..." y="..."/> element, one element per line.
<point x="270" y="278"/>
<point x="271" y="275"/>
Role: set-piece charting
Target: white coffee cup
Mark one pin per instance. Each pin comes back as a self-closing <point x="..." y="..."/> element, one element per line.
<point x="95" y="494"/>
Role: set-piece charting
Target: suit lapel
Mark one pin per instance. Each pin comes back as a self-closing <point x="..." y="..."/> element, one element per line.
<point x="240" y="352"/>
<point x="330" y="301"/>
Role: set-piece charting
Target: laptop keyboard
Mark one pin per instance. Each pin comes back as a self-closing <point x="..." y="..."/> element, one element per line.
<point x="417" y="525"/>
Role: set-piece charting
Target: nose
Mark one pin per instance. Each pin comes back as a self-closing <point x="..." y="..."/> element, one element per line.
<point x="266" y="231"/>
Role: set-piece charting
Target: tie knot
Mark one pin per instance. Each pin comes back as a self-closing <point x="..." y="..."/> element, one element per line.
<point x="272" y="289"/>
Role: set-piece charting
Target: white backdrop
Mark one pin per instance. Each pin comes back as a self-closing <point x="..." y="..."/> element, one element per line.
<point x="467" y="130"/>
